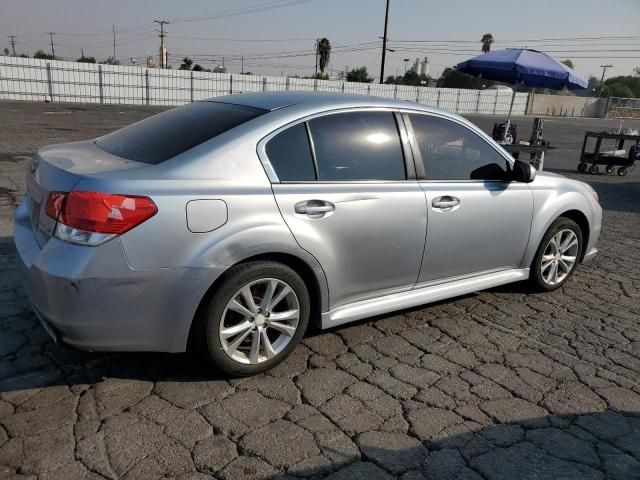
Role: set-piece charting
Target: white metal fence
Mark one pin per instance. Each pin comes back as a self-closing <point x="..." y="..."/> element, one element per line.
<point x="33" y="79"/>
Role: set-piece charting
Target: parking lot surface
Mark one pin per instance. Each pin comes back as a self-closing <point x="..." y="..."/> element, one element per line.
<point x="502" y="384"/>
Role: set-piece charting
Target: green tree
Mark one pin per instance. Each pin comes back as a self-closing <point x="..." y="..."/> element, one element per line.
<point x="359" y="75"/>
<point x="319" y="76"/>
<point x="324" y="53"/>
<point x="452" y="78"/>
<point x="622" y="86"/>
<point x="617" y="90"/>
<point x="111" y="61"/>
<point x="487" y="40"/>
<point x="187" y="63"/>
<point x="593" y="88"/>
<point x="6" y="52"/>
<point x="393" y="80"/>
<point x="199" y="68"/>
<point x="568" y="63"/>
<point x="84" y="59"/>
<point x="42" y="55"/>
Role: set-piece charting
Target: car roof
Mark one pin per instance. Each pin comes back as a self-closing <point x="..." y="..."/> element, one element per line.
<point x="276" y="100"/>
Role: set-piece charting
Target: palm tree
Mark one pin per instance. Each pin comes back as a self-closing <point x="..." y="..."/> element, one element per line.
<point x="187" y="63"/>
<point x="487" y="40"/>
<point x="324" y="52"/>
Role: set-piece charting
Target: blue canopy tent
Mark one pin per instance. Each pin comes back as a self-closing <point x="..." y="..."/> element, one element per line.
<point x="524" y="66"/>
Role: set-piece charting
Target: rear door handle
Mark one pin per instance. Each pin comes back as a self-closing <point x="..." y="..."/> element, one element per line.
<point x="445" y="203"/>
<point x="314" y="208"/>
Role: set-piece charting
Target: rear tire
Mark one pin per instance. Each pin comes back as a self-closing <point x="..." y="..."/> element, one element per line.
<point x="558" y="255"/>
<point x="594" y="169"/>
<point x="622" y="171"/>
<point x="239" y="332"/>
<point x="582" y="167"/>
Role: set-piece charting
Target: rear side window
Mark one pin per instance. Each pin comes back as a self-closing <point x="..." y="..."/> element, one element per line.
<point x="357" y="146"/>
<point x="290" y="155"/>
<point x="451" y="151"/>
<point x="175" y="131"/>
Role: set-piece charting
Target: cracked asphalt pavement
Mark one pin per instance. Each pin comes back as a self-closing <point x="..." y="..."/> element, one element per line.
<point x="503" y="384"/>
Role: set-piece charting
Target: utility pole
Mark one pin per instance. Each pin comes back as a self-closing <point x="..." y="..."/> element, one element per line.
<point x="317" y="51"/>
<point x="13" y="44"/>
<point x="163" y="57"/>
<point x="406" y="60"/>
<point x="384" y="42"/>
<point x="604" y="69"/>
<point x="82" y="53"/>
<point x="53" y="51"/>
<point x="114" y="44"/>
<point x="242" y="67"/>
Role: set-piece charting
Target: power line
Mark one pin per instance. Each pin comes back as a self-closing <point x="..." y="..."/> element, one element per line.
<point x="384" y="42"/>
<point x="53" y="51"/>
<point x="210" y="39"/>
<point x="241" y="11"/>
<point x="604" y="69"/>
<point x="610" y="37"/>
<point x="163" y="50"/>
<point x="12" y="39"/>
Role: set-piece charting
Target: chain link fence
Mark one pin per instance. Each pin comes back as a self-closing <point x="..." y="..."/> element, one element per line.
<point x="61" y="81"/>
<point x="623" y="107"/>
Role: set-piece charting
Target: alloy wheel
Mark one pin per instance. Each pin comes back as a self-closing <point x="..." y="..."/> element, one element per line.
<point x="559" y="257"/>
<point x="259" y="321"/>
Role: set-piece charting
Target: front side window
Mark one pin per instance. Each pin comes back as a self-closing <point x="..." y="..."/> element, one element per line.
<point x="290" y="155"/>
<point x="357" y="146"/>
<point x="163" y="136"/>
<point x="451" y="151"/>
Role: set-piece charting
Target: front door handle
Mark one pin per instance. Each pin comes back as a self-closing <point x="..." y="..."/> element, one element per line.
<point x="445" y="203"/>
<point x="314" y="208"/>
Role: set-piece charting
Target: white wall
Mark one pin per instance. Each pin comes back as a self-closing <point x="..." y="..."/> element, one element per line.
<point x="33" y="79"/>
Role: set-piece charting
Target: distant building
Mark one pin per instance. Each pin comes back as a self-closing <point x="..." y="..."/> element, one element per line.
<point x="220" y="69"/>
<point x="151" y="62"/>
<point x="421" y="67"/>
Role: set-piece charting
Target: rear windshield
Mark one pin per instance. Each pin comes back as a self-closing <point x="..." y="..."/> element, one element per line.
<point x="175" y="131"/>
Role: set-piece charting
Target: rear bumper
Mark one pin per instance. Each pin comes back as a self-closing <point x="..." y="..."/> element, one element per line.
<point x="90" y="297"/>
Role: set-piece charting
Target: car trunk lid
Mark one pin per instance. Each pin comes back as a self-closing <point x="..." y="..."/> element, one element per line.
<point x="58" y="168"/>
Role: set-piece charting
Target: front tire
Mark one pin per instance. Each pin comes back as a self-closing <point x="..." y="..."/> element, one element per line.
<point x="256" y="317"/>
<point x="557" y="256"/>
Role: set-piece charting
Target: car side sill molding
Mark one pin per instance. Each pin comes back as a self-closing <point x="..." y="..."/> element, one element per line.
<point x="420" y="296"/>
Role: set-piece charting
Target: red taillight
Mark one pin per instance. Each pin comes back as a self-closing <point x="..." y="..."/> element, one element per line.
<point x="55" y="202"/>
<point x="100" y="212"/>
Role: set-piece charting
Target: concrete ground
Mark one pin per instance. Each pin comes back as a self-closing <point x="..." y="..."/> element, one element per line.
<point x="502" y="384"/>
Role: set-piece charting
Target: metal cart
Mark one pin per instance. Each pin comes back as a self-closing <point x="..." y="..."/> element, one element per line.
<point x="624" y="161"/>
<point x="535" y="148"/>
<point x="536" y="153"/>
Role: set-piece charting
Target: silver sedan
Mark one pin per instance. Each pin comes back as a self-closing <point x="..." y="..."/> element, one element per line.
<point x="232" y="224"/>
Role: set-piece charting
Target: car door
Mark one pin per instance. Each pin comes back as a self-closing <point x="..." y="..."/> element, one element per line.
<point x="479" y="220"/>
<point x="352" y="200"/>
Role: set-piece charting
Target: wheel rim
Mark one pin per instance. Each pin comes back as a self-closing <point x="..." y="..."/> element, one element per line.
<point x="259" y="321"/>
<point x="559" y="257"/>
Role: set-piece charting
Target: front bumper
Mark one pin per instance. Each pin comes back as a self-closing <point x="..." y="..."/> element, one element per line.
<point x="89" y="297"/>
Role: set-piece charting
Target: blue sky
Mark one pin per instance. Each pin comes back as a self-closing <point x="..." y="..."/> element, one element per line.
<point x="279" y="40"/>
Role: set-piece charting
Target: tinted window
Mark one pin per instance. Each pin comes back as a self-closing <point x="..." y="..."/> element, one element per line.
<point x="357" y="146"/>
<point x="290" y="155"/>
<point x="175" y="131"/>
<point x="451" y="151"/>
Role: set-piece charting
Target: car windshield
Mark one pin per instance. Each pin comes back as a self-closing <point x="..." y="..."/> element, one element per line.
<point x="175" y="131"/>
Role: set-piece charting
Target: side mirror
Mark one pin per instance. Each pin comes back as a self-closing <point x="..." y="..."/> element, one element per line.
<point x="523" y="172"/>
